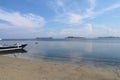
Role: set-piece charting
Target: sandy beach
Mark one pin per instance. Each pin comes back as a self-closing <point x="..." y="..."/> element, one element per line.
<point x="21" y="69"/>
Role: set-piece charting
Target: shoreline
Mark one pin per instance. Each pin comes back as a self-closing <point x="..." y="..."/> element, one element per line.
<point x="22" y="69"/>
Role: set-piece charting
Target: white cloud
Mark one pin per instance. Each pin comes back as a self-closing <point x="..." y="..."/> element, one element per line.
<point x="89" y="28"/>
<point x="58" y="6"/>
<point x="109" y="8"/>
<point x="18" y="25"/>
<point x="90" y="11"/>
<point x="75" y="19"/>
<point x="92" y="4"/>
<point x="106" y="31"/>
<point x="4" y="26"/>
<point x="87" y="31"/>
<point x="22" y="20"/>
<point x="73" y="15"/>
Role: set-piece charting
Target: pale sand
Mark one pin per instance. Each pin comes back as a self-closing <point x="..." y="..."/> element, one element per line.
<point x="20" y="69"/>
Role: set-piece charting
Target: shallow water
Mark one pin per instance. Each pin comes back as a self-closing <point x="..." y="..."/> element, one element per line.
<point x="102" y="51"/>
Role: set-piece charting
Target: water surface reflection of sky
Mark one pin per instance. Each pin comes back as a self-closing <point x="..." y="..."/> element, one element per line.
<point x="69" y="50"/>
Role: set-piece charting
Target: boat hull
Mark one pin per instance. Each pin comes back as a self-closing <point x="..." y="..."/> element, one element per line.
<point x="7" y="48"/>
<point x="12" y="51"/>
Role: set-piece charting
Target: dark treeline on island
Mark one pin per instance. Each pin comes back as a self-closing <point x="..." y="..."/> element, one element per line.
<point x="72" y="37"/>
<point x="69" y="38"/>
<point x="66" y="38"/>
<point x="109" y="37"/>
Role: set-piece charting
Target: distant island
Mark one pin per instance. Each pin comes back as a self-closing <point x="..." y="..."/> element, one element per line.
<point x="44" y="38"/>
<point x="68" y="38"/>
<point x="74" y="38"/>
<point x="108" y="37"/>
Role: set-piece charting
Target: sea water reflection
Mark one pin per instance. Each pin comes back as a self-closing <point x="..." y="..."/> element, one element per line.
<point x="72" y="51"/>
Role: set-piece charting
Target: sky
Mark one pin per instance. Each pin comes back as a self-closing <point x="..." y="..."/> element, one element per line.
<point x="59" y="18"/>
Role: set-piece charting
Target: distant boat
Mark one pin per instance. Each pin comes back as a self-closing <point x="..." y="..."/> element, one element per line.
<point x="17" y="46"/>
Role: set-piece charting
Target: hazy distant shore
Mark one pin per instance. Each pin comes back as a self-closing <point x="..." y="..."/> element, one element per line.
<point x="20" y="69"/>
<point x="69" y="38"/>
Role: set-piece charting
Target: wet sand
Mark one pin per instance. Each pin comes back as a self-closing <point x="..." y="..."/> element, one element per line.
<point x="21" y="69"/>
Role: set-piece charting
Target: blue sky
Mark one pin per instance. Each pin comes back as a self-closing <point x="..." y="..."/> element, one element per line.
<point x="59" y="18"/>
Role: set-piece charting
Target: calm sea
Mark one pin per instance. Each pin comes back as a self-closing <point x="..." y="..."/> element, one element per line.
<point x="71" y="51"/>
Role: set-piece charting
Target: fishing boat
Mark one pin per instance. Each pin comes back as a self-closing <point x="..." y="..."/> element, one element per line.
<point x="16" y="46"/>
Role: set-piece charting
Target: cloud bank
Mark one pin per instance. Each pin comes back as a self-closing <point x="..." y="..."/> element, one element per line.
<point x="88" y="30"/>
<point x="22" y="20"/>
<point x="71" y="17"/>
<point x="69" y="11"/>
